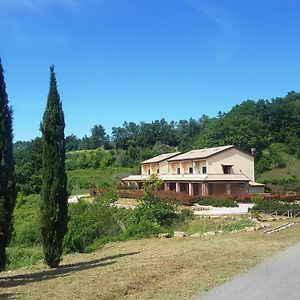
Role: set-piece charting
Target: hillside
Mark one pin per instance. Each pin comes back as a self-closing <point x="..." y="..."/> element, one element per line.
<point x="262" y="125"/>
<point x="283" y="178"/>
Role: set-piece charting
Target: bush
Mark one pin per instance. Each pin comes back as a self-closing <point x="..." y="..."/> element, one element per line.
<point x="93" y="221"/>
<point x="152" y="215"/>
<point x="27" y="221"/>
<point x="218" y="202"/>
<point x="180" y="198"/>
<point x="143" y="229"/>
<point x="270" y="206"/>
<point x="134" y="194"/>
<point x="20" y="255"/>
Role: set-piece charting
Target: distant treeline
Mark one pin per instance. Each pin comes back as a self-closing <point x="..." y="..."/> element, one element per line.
<point x="247" y="125"/>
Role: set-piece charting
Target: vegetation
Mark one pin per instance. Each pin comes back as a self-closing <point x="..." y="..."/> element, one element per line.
<point x="94" y="224"/>
<point x="197" y="225"/>
<point x="270" y="206"/>
<point x="7" y="179"/>
<point x="54" y="206"/>
<point x="218" y="201"/>
<point x="152" y="215"/>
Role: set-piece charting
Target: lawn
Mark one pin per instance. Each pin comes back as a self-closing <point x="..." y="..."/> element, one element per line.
<point x="176" y="268"/>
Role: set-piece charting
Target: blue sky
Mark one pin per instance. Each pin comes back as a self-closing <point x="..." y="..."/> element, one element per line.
<point x="141" y="60"/>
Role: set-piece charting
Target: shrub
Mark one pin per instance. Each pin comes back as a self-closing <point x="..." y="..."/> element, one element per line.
<point x="245" y="198"/>
<point x="180" y="198"/>
<point x="20" y="255"/>
<point x="27" y="221"/>
<point x="152" y="215"/>
<point x="218" y="202"/>
<point x="269" y="206"/>
<point x="134" y="194"/>
<point x="93" y="221"/>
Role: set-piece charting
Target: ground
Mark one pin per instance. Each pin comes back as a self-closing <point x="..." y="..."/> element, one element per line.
<point x="175" y="268"/>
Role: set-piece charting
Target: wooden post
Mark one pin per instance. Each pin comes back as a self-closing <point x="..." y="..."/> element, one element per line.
<point x="177" y="187"/>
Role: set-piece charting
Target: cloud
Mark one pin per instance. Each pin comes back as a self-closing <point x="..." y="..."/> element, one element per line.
<point x="210" y="10"/>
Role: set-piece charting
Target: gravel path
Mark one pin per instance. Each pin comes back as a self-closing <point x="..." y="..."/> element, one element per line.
<point x="241" y="209"/>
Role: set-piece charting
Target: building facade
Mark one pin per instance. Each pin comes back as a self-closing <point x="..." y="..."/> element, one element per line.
<point x="224" y="170"/>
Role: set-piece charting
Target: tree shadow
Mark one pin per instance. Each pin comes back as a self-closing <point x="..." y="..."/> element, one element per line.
<point x="61" y="271"/>
<point x="8" y="296"/>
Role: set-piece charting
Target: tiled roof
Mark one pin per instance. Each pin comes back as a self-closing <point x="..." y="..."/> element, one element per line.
<point x="200" y="153"/>
<point x="160" y="158"/>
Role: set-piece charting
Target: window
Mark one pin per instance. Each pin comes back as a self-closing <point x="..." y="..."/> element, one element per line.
<point x="226" y="169"/>
<point x="178" y="170"/>
<point x="204" y="170"/>
<point x="190" y="170"/>
<point x="157" y="171"/>
<point x="149" y="172"/>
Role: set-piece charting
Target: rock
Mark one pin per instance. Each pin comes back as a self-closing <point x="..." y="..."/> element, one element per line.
<point x="209" y="233"/>
<point x="163" y="235"/>
<point x="196" y="234"/>
<point x="220" y="231"/>
<point x="179" y="234"/>
<point x="249" y="229"/>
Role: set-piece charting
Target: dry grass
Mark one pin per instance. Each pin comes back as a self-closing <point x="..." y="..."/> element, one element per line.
<point x="177" y="268"/>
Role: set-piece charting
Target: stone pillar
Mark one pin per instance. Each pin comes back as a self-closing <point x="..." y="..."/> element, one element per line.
<point x="228" y="188"/>
<point x="191" y="189"/>
<point x="177" y="187"/>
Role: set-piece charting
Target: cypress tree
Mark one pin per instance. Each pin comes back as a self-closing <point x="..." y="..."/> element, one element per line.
<point x="54" y="207"/>
<point x="7" y="182"/>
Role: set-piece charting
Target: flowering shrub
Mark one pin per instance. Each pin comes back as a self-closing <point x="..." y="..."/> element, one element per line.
<point x="181" y="198"/>
<point x="283" y="197"/>
<point x="134" y="194"/>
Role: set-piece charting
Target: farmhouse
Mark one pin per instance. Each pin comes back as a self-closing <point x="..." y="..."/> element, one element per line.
<point x="212" y="171"/>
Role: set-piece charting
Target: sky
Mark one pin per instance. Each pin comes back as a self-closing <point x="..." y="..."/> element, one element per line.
<point x="142" y="60"/>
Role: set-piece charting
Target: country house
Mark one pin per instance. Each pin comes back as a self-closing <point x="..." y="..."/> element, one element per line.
<point x="212" y="171"/>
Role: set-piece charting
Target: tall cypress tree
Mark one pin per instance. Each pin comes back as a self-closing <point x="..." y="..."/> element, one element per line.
<point x="54" y="207"/>
<point x="7" y="182"/>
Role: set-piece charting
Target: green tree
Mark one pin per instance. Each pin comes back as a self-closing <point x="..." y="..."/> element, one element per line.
<point x="99" y="137"/>
<point x="7" y="182"/>
<point x="54" y="207"/>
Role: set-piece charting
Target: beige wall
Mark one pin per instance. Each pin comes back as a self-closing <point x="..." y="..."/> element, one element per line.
<point x="242" y="163"/>
<point x="146" y="167"/>
<point x="163" y="167"/>
<point x="173" y="167"/>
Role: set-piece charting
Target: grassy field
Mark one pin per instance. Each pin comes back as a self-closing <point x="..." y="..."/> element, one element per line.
<point x="176" y="268"/>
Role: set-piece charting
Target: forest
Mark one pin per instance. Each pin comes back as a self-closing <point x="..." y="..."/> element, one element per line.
<point x="271" y="126"/>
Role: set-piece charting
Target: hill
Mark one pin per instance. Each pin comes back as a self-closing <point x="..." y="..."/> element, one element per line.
<point x="259" y="125"/>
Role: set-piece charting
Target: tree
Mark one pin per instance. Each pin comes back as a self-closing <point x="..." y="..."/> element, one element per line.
<point x="54" y="207"/>
<point x="7" y="181"/>
<point x="99" y="137"/>
<point x="28" y="167"/>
